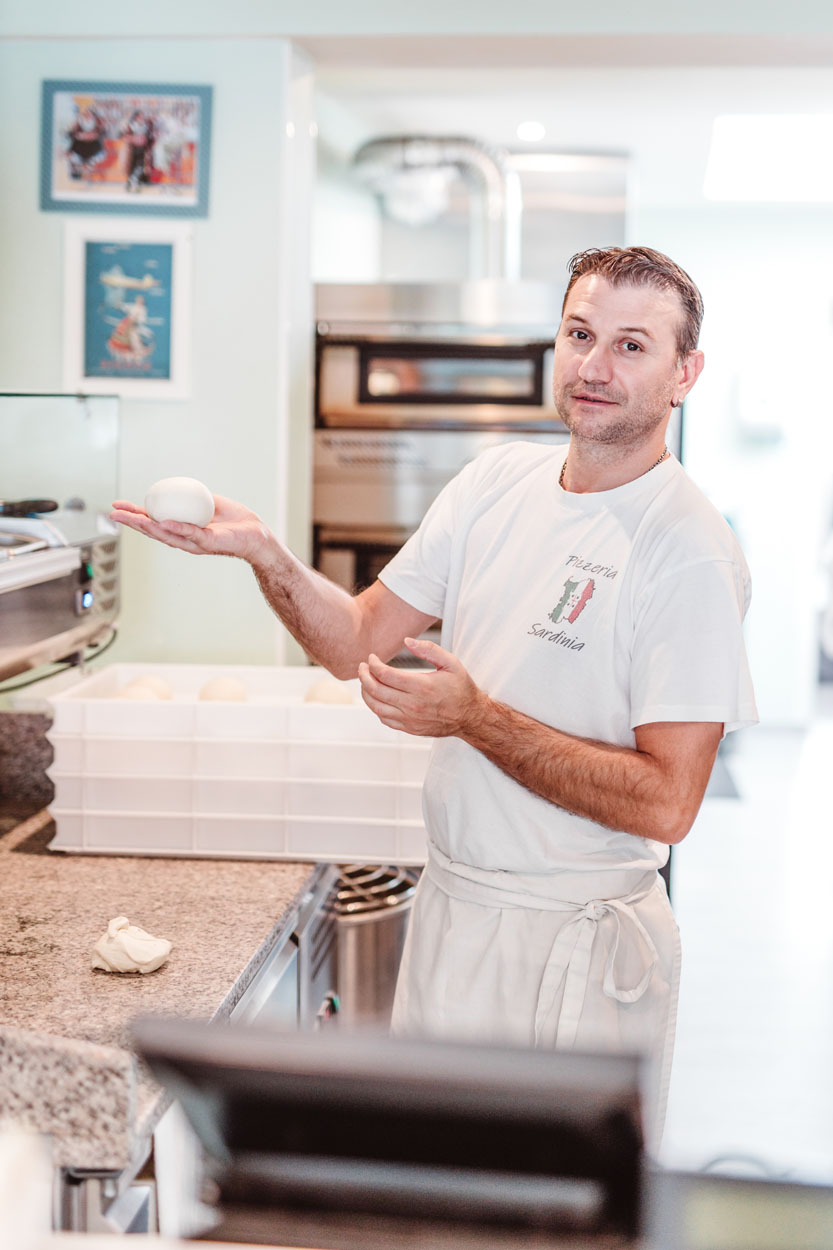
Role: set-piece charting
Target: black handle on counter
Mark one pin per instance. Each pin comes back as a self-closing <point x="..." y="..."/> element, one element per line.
<point x="27" y="507"/>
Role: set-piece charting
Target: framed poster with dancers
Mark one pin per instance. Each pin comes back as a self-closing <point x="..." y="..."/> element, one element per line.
<point x="126" y="308"/>
<point x="140" y="148"/>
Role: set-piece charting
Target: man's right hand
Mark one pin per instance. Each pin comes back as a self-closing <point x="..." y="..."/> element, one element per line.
<point x="234" y="531"/>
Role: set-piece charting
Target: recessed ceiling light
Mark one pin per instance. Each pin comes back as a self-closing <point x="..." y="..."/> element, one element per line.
<point x="531" y="132"/>
<point x="780" y="158"/>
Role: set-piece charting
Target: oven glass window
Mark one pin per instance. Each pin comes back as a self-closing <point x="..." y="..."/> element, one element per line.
<point x="475" y="379"/>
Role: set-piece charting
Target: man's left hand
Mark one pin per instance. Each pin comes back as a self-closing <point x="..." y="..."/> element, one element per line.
<point x="438" y="704"/>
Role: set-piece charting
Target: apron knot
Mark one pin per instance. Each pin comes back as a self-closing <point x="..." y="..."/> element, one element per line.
<point x="569" y="959"/>
<point x="569" y="963"/>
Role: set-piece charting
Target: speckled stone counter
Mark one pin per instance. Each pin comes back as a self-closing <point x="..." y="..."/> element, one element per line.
<point x="65" y="1060"/>
<point x="25" y="755"/>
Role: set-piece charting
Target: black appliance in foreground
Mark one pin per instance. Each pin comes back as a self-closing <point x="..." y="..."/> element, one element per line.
<point x="357" y="1140"/>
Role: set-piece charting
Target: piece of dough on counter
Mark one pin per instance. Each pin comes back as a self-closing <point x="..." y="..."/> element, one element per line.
<point x="225" y="690"/>
<point x="145" y="687"/>
<point x="328" y="690"/>
<point x="127" y="948"/>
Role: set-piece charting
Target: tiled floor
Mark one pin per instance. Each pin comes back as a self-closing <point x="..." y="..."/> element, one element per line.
<point x="752" y="887"/>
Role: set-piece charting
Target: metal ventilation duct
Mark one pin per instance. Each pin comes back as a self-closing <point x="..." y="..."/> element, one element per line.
<point x="411" y="174"/>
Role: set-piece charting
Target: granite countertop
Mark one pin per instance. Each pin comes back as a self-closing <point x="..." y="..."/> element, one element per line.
<point x="66" y="1065"/>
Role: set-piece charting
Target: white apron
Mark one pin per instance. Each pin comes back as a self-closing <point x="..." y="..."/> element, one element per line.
<point x="503" y="958"/>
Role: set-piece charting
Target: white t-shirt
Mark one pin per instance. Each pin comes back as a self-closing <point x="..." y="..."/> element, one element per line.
<point x="593" y="613"/>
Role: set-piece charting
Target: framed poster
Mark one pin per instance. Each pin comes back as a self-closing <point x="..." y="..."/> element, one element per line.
<point x="125" y="147"/>
<point x="126" y="304"/>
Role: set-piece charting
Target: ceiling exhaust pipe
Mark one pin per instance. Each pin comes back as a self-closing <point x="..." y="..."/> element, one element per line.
<point x="412" y="172"/>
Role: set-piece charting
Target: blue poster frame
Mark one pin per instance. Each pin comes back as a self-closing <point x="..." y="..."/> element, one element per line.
<point x="109" y="310"/>
<point x="91" y="196"/>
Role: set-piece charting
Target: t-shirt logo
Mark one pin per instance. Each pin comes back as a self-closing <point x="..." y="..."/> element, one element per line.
<point x="573" y="601"/>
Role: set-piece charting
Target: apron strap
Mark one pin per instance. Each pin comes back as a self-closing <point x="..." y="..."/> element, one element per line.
<point x="569" y="962"/>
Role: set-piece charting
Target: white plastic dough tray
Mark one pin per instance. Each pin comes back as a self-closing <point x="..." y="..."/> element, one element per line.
<point x="271" y="777"/>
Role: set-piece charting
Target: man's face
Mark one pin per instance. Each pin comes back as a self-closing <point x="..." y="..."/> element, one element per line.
<point x="617" y="371"/>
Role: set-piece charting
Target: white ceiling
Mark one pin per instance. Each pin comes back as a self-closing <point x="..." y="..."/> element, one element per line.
<point x="545" y="51"/>
<point x="648" y="97"/>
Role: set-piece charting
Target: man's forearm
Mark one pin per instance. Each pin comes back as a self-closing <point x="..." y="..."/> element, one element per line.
<point x="618" y="787"/>
<point x="321" y="616"/>
<point x="335" y="628"/>
<point x="653" y="790"/>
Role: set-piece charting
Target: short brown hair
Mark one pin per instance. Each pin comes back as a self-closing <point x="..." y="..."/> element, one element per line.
<point x="642" y="266"/>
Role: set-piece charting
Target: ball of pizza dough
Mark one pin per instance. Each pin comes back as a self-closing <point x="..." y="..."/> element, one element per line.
<point x="145" y="687"/>
<point x="180" y="499"/>
<point x="327" y="690"/>
<point x="224" y="690"/>
<point x="163" y="690"/>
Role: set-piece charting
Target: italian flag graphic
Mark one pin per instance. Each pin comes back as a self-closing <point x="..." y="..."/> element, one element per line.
<point x="573" y="601"/>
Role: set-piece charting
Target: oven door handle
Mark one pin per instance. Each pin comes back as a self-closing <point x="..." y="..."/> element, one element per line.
<point x="33" y="567"/>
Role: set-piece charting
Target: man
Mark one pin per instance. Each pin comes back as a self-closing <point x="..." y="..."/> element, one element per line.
<point x="139" y="135"/>
<point x="87" y="135"/>
<point x="592" y="657"/>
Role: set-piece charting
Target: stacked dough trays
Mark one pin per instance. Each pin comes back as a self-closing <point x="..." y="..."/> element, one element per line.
<point x="270" y="777"/>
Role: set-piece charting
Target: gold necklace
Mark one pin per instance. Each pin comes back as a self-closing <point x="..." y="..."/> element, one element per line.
<point x="648" y="470"/>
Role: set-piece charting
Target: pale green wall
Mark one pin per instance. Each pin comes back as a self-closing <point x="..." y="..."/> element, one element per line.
<point x="234" y="430"/>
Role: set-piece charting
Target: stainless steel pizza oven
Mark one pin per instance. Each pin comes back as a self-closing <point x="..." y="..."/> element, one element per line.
<point x="412" y="382"/>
